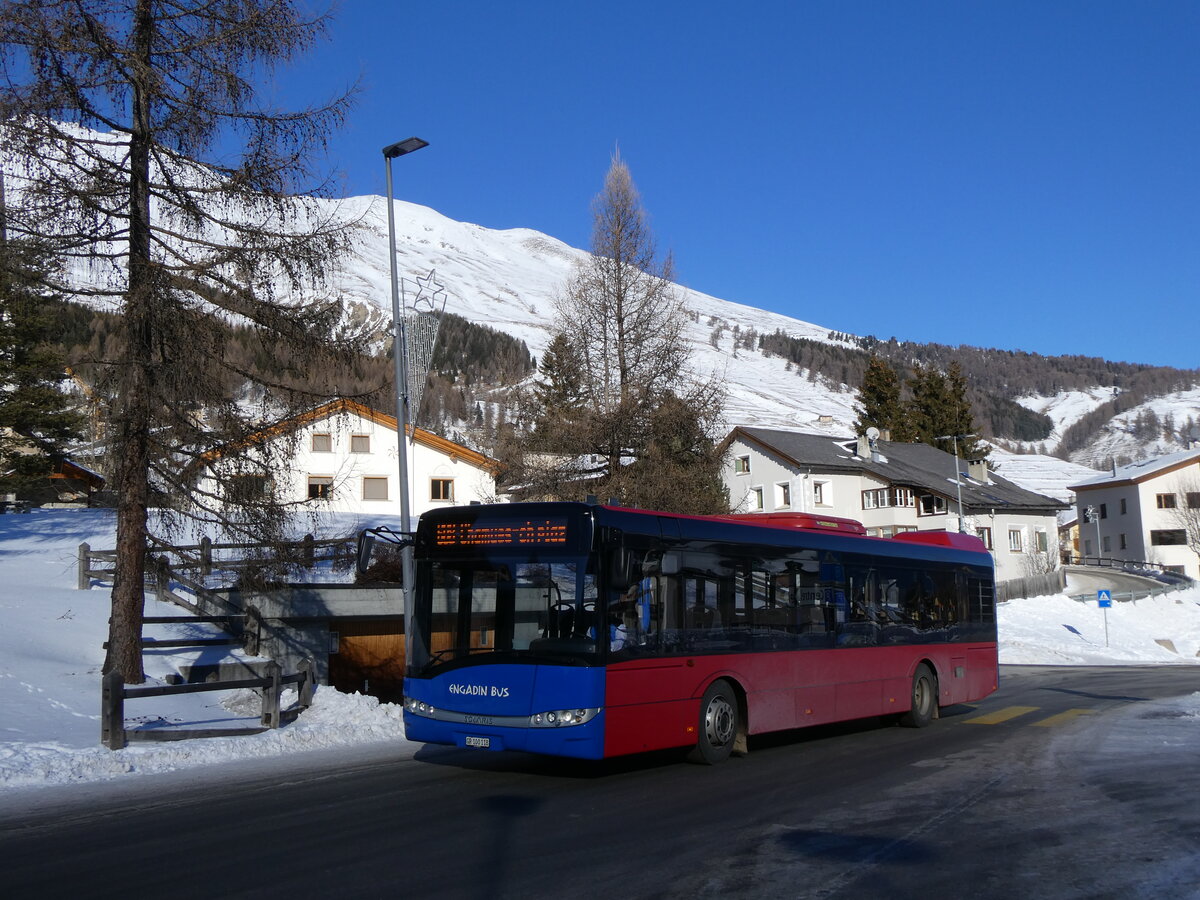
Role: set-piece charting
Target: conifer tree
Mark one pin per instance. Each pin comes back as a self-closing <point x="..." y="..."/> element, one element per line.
<point x="558" y="396"/>
<point x="38" y="422"/>
<point x="169" y="194"/>
<point x="880" y="403"/>
<point x="938" y="410"/>
<point x="620" y="327"/>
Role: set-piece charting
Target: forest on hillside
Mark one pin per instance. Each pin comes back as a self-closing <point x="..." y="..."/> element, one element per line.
<point x="994" y="378"/>
<point x="473" y="365"/>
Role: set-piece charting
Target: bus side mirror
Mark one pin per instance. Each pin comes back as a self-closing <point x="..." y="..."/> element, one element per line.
<point x="671" y="563"/>
<point x="366" y="543"/>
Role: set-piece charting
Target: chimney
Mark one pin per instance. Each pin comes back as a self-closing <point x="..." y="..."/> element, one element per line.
<point x="977" y="469"/>
<point x="864" y="447"/>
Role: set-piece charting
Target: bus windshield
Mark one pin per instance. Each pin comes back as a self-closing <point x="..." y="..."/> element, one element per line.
<point x="500" y="606"/>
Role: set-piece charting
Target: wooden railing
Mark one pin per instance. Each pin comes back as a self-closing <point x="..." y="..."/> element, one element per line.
<point x="202" y="559"/>
<point x="176" y="574"/>
<point x="114" y="693"/>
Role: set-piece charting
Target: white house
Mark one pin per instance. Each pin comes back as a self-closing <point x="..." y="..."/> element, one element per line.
<point x="892" y="487"/>
<point x="1144" y="512"/>
<point x="343" y="457"/>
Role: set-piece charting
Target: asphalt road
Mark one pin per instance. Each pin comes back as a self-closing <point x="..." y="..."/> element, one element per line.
<point x="1066" y="783"/>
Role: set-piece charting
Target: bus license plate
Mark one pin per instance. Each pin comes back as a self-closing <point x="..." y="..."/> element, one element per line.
<point x="483" y="742"/>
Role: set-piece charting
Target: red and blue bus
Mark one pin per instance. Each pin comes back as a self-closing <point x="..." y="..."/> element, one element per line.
<point x="592" y="631"/>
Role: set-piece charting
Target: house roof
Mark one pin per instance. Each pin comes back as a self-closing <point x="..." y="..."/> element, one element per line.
<point x="343" y="406"/>
<point x="916" y="466"/>
<point x="1137" y="472"/>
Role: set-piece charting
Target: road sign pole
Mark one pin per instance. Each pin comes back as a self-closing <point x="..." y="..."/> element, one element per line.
<point x="1104" y="600"/>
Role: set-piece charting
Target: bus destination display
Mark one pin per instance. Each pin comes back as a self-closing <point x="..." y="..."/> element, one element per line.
<point x="518" y="533"/>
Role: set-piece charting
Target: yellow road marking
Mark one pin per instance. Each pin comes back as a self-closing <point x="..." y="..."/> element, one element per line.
<point x="1063" y="717"/>
<point x="1001" y="715"/>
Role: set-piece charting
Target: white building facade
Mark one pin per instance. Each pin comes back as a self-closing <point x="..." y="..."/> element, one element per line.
<point x="1148" y="511"/>
<point x="890" y="488"/>
<point x="343" y="457"/>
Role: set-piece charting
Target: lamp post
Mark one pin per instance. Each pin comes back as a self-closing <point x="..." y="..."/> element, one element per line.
<point x="957" y="473"/>
<point x="1094" y="515"/>
<point x="400" y="357"/>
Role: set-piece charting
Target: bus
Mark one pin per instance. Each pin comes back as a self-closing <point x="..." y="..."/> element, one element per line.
<point x="592" y="631"/>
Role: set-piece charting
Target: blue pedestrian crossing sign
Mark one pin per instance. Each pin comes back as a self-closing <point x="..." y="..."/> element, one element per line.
<point x="1104" y="598"/>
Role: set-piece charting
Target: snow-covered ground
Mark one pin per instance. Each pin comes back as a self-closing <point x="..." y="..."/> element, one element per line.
<point x="51" y="637"/>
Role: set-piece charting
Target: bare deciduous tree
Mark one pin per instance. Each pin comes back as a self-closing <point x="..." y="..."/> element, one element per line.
<point x="140" y="157"/>
<point x="620" y="329"/>
<point x="1186" y="513"/>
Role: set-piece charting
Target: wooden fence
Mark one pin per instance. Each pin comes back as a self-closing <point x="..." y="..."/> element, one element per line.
<point x="176" y="574"/>
<point x="200" y="560"/>
<point x="114" y="693"/>
<point x="1032" y="586"/>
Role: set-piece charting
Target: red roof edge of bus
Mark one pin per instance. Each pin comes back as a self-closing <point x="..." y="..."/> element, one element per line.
<point x="953" y="539"/>
<point x="802" y="521"/>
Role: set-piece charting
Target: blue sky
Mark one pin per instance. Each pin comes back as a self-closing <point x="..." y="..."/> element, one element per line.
<point x="1021" y="175"/>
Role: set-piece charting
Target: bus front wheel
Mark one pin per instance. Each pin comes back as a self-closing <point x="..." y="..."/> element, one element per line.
<point x="718" y="725"/>
<point x="924" y="699"/>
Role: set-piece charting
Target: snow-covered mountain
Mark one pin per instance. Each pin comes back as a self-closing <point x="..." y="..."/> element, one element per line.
<point x="509" y="279"/>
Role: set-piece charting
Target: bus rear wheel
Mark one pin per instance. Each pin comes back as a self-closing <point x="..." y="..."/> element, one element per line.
<point x="924" y="699"/>
<point x="718" y="725"/>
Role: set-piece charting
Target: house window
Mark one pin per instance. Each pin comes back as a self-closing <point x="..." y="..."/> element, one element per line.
<point x="931" y="505"/>
<point x="985" y="535"/>
<point x="441" y="489"/>
<point x="821" y="493"/>
<point x="741" y="465"/>
<point x="374" y="488"/>
<point x="1106" y="544"/>
<point x="360" y="443"/>
<point x="319" y="487"/>
<point x="1124" y="506"/>
<point x="756" y="498"/>
<point x="1193" y="499"/>
<point x="1041" y="541"/>
<point x="247" y="488"/>
<point x="1124" y="545"/>
<point x="1104" y="510"/>
<point x="1165" y="501"/>
<point x="322" y="442"/>
<point x="875" y="499"/>
<point x="1168" y="537"/>
<point x="902" y="497"/>
<point x="1015" y="542"/>
<point x="783" y="495"/>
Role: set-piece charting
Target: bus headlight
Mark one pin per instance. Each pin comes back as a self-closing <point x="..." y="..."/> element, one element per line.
<point x="558" y="718"/>
<point x="419" y="707"/>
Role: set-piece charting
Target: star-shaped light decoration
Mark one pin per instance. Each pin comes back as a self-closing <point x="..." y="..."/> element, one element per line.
<point x="429" y="292"/>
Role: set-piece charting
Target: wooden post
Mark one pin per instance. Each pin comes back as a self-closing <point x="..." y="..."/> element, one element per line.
<point x="85" y="563"/>
<point x="308" y="668"/>
<point x="112" y="711"/>
<point x="252" y="631"/>
<point x="270" y="697"/>
<point x="162" y="579"/>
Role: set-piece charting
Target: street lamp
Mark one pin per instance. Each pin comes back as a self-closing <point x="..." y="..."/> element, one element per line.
<point x="400" y="357"/>
<point x="957" y="473"/>
<point x="1094" y="515"/>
